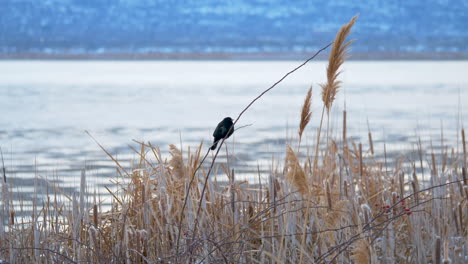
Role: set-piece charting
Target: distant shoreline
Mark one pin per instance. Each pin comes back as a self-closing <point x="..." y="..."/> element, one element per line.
<point x="229" y="56"/>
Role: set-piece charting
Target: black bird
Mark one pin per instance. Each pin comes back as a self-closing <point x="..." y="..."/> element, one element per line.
<point x="222" y="130"/>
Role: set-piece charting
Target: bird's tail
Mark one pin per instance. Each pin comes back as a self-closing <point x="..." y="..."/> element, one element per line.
<point x="215" y="144"/>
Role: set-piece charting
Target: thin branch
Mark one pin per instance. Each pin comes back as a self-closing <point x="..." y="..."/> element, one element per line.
<point x="108" y="154"/>
<point x="222" y="142"/>
<point x="141" y="255"/>
<point x="187" y="193"/>
<point x="3" y="167"/>
<point x="243" y="127"/>
<point x="43" y="249"/>
<point x="237" y="119"/>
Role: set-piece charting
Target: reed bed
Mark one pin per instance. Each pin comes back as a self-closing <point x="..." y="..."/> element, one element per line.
<point x="335" y="203"/>
<point x="350" y="208"/>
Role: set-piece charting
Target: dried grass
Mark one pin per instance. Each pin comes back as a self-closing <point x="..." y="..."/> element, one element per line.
<point x="368" y="215"/>
<point x="294" y="172"/>
<point x="337" y="57"/>
<point x="375" y="216"/>
<point x="177" y="162"/>
<point x="360" y="252"/>
<point x="306" y="113"/>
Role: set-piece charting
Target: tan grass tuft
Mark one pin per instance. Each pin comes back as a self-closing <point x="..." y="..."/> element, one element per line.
<point x="306" y="114"/>
<point x="333" y="216"/>
<point x="361" y="252"/>
<point x="337" y="57"/>
<point x="177" y="162"/>
<point x="243" y="221"/>
<point x="295" y="174"/>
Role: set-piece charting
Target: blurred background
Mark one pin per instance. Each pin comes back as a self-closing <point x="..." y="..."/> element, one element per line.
<point x="169" y="71"/>
<point x="229" y="29"/>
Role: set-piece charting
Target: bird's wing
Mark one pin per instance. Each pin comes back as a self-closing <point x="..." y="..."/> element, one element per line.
<point x="232" y="130"/>
<point x="223" y="130"/>
<point x="218" y="131"/>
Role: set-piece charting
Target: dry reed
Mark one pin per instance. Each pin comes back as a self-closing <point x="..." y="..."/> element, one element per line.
<point x="306" y="113"/>
<point x="294" y="172"/>
<point x="379" y="220"/>
<point x="336" y="59"/>
<point x="298" y="215"/>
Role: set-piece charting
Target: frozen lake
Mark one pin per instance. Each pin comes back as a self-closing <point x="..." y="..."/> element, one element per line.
<point x="47" y="105"/>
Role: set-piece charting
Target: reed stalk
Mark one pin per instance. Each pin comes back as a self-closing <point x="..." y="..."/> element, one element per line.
<point x="167" y="210"/>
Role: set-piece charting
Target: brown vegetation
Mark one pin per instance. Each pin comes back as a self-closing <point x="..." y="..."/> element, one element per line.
<point x="347" y="207"/>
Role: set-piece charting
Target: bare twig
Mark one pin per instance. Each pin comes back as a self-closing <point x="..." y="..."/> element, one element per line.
<point x="243" y="126"/>
<point x="3" y="166"/>
<point x="108" y="154"/>
<point x="43" y="249"/>
<point x="237" y="119"/>
<point x="222" y="142"/>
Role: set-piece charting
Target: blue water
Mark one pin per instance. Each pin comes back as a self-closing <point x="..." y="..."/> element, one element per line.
<point x="229" y="27"/>
<point x="47" y="105"/>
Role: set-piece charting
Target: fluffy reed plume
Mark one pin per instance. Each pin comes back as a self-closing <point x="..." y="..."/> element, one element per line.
<point x="249" y="224"/>
<point x="360" y="252"/>
<point x="337" y="57"/>
<point x="349" y="219"/>
<point x="334" y="215"/>
<point x="177" y="162"/>
<point x="295" y="174"/>
<point x="306" y="114"/>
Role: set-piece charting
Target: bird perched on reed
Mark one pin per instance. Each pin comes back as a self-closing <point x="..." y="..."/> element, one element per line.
<point x="224" y="127"/>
